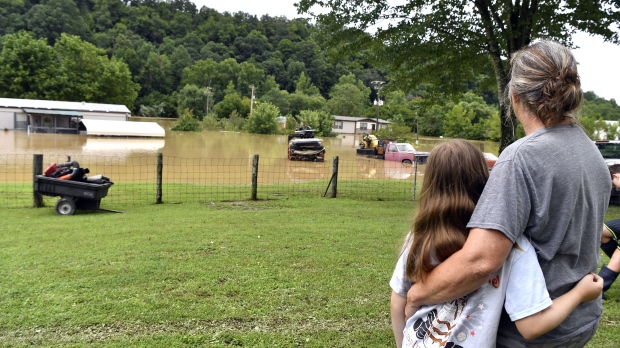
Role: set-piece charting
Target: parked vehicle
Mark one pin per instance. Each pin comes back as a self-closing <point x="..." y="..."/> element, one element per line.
<point x="305" y="132"/>
<point x="404" y="153"/>
<point x="610" y="150"/>
<point x="490" y="159"/>
<point x="373" y="146"/>
<point x="306" y="150"/>
<point x="389" y="150"/>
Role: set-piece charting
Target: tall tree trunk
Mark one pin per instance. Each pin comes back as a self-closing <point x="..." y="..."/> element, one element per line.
<point x="508" y="134"/>
<point x="507" y="118"/>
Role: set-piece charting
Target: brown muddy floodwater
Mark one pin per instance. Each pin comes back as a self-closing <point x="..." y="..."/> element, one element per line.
<point x="192" y="149"/>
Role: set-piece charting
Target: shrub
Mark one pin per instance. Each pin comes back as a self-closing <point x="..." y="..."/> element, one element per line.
<point x="187" y="122"/>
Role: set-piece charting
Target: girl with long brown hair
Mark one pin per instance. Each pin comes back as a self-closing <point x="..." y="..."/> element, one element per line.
<point x="455" y="177"/>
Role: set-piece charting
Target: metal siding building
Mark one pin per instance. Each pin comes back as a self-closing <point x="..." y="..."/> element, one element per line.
<point x="55" y="116"/>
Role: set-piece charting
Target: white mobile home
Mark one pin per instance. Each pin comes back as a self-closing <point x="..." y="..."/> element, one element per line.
<point x="357" y="125"/>
<point x="50" y="116"/>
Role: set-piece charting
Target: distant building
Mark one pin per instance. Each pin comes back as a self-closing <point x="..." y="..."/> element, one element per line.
<point x="51" y="116"/>
<point x="281" y="121"/>
<point x="354" y="125"/>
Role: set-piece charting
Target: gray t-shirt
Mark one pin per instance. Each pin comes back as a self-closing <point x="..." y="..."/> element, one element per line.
<point x="472" y="321"/>
<point x="553" y="186"/>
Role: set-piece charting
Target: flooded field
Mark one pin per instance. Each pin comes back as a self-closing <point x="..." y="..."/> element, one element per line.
<point x="191" y="156"/>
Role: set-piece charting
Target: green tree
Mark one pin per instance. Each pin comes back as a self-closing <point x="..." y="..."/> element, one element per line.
<point x="125" y="50"/>
<point x="201" y="73"/>
<point x="263" y="119"/>
<point x="114" y="84"/>
<point x="193" y="98"/>
<point x="216" y="51"/>
<point x="321" y="121"/>
<point x="164" y="105"/>
<point x="187" y="122"/>
<point x="234" y="122"/>
<point x="11" y="16"/>
<point x="91" y="75"/>
<point x="252" y="46"/>
<point x="28" y="68"/>
<point x="179" y="60"/>
<point x="300" y="101"/>
<point x="51" y="18"/>
<point x="305" y="97"/>
<point x="232" y="102"/>
<point x="457" y="123"/>
<point x="398" y="109"/>
<point x="595" y="106"/>
<point x="349" y="97"/>
<point x="305" y="86"/>
<point x="492" y="127"/>
<point x="156" y="75"/>
<point x="279" y="98"/>
<point x="431" y="119"/>
<point x="449" y="42"/>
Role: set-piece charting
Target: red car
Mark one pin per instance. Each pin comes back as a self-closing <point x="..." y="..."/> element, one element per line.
<point x="490" y="158"/>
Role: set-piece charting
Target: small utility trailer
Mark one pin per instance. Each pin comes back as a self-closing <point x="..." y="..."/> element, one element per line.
<point x="73" y="194"/>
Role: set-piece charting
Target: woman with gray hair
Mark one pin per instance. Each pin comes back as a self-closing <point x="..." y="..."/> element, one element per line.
<point x="551" y="186"/>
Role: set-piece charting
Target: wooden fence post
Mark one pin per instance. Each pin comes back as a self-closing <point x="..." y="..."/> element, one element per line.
<point x="254" y="177"/>
<point x="37" y="169"/>
<point x="335" y="178"/>
<point x="160" y="167"/>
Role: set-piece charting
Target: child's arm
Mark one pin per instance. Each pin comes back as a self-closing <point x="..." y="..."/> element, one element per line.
<point x="589" y="288"/>
<point x="397" y="309"/>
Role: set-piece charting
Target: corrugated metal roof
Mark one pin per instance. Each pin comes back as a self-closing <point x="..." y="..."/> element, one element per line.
<point x="53" y="112"/>
<point x="123" y="128"/>
<point x="61" y="105"/>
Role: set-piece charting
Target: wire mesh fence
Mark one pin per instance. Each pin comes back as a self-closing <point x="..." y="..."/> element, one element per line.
<point x="141" y="180"/>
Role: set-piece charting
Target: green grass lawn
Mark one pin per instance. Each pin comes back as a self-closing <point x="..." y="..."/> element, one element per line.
<point x="281" y="273"/>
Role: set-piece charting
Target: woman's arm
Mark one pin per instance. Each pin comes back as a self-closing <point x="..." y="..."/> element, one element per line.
<point x="589" y="288"/>
<point x="397" y="309"/>
<point x="466" y="270"/>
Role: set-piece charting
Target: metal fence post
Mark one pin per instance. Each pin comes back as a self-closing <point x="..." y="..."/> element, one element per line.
<point x="160" y="167"/>
<point x="37" y="169"/>
<point x="335" y="178"/>
<point x="254" y="177"/>
<point x="415" y="177"/>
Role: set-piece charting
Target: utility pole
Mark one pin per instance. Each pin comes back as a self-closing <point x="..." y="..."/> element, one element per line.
<point x="377" y="85"/>
<point x="417" y="130"/>
<point x="208" y="95"/>
<point x="252" y="100"/>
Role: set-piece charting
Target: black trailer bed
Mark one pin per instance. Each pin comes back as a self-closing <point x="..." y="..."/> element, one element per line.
<point x="74" y="194"/>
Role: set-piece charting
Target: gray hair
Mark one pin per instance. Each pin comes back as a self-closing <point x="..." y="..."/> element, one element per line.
<point x="544" y="76"/>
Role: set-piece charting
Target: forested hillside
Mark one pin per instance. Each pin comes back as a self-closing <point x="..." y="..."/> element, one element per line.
<point x="169" y="58"/>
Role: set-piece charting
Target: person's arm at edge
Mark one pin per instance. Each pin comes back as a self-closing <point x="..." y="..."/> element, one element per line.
<point x="466" y="270"/>
<point x="397" y="310"/>
<point x="538" y="324"/>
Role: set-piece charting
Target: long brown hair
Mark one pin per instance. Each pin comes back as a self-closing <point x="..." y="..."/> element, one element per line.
<point x="456" y="173"/>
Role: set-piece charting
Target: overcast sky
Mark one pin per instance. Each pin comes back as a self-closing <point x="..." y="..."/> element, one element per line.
<point x="598" y="65"/>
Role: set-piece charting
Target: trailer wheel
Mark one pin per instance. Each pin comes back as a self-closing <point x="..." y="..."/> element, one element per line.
<point x="65" y="206"/>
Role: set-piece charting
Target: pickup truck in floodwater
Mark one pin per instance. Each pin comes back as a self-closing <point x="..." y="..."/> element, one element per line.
<point x="404" y="153"/>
